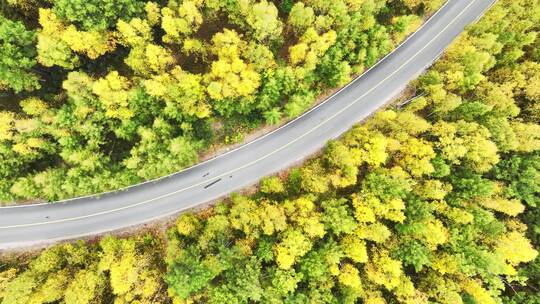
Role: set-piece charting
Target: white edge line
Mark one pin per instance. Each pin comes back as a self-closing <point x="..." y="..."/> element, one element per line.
<point x="259" y="159"/>
<point x="97" y="195"/>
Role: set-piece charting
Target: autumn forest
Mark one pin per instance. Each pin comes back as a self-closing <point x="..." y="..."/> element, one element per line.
<point x="430" y="201"/>
<point x="96" y="102"/>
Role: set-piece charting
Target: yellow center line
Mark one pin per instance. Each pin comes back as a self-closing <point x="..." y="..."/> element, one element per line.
<point x="259" y="159"/>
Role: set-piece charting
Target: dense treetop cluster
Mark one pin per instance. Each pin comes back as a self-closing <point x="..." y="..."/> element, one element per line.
<point x="432" y="202"/>
<point x="100" y="94"/>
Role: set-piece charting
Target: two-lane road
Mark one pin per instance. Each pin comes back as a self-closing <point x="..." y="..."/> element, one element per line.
<point x="34" y="224"/>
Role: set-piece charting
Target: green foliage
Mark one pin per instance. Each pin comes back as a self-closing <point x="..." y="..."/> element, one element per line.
<point x="189" y="274"/>
<point x="97" y="14"/>
<point x="522" y="173"/>
<point x="17" y="56"/>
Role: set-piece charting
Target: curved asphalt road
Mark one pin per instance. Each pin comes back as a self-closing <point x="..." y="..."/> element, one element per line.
<point x="37" y="224"/>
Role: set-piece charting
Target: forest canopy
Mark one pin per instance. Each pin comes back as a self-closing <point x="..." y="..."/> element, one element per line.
<point x="96" y="95"/>
<point x="432" y="201"/>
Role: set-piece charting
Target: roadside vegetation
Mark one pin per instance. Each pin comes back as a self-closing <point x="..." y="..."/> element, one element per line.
<point x="435" y="201"/>
<point x="96" y="95"/>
